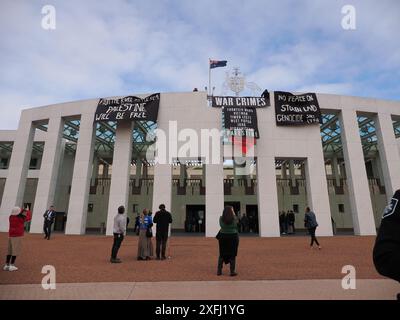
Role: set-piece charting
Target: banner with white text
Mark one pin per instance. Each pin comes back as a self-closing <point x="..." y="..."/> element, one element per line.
<point x="128" y="108"/>
<point x="299" y="109"/>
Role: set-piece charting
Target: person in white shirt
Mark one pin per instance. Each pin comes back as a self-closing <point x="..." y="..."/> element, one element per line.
<point x="119" y="231"/>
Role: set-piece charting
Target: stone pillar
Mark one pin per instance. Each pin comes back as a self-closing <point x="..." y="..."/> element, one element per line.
<point x="145" y="170"/>
<point x="203" y="182"/>
<point x="283" y="170"/>
<point x="357" y="181"/>
<point x="292" y="172"/>
<point x="105" y="171"/>
<point x="267" y="197"/>
<point x="376" y="164"/>
<point x="95" y="170"/>
<point x="79" y="198"/>
<point x="388" y="152"/>
<point x="162" y="188"/>
<point x="317" y="193"/>
<point x="119" y="189"/>
<point x="182" y="175"/>
<point x="214" y="197"/>
<point x="303" y="170"/>
<point x="17" y="171"/>
<point x="335" y="169"/>
<point x="48" y="175"/>
<point x="138" y="174"/>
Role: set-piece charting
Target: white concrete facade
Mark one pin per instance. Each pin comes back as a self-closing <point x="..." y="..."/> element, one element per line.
<point x="191" y="111"/>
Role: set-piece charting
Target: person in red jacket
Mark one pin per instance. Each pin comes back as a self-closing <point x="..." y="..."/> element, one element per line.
<point x="17" y="220"/>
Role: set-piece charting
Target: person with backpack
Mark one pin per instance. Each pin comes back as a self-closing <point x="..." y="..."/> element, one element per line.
<point x="310" y="222"/>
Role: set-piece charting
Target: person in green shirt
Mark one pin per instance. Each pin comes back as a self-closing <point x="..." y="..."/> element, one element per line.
<point x="228" y="240"/>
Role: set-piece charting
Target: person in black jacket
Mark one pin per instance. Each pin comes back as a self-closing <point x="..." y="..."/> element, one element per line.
<point x="49" y="217"/>
<point x="162" y="218"/>
<point x="291" y="220"/>
<point x="386" y="252"/>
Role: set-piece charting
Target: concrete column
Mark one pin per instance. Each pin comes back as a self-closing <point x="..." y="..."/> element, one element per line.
<point x="292" y="172"/>
<point x="317" y="193"/>
<point x="388" y="152"/>
<point x="79" y="198"/>
<point x="267" y="197"/>
<point x="357" y="182"/>
<point x="204" y="175"/>
<point x="59" y="194"/>
<point x="236" y="177"/>
<point x="145" y="170"/>
<point x="214" y="197"/>
<point x="119" y="189"/>
<point x="335" y="168"/>
<point x="303" y="171"/>
<point x="138" y="174"/>
<point x="376" y="169"/>
<point x="283" y="170"/>
<point x="162" y="188"/>
<point x="48" y="175"/>
<point x="182" y="175"/>
<point x="342" y="167"/>
<point x="95" y="169"/>
<point x="105" y="171"/>
<point x="17" y="171"/>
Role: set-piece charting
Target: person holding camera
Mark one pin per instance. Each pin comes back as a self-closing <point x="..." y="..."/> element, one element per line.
<point x="17" y="220"/>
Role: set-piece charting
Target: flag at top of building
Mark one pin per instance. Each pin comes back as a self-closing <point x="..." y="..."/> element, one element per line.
<point x="217" y="63"/>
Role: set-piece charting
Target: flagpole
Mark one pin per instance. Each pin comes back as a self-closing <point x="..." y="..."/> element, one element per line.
<point x="209" y="77"/>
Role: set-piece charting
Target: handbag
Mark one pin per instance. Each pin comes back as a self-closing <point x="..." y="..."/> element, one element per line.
<point x="149" y="232"/>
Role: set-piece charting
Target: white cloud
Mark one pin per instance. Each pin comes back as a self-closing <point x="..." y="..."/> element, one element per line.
<point x="128" y="47"/>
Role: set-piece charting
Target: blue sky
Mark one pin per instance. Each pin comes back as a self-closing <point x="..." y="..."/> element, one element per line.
<point x="109" y="48"/>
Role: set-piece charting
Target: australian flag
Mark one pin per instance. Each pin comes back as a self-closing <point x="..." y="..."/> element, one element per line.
<point x="217" y="63"/>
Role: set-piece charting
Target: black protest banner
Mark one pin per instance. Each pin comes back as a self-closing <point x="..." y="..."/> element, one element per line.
<point x="251" y="102"/>
<point x="128" y="108"/>
<point x="240" y="121"/>
<point x="240" y="114"/>
<point x="299" y="109"/>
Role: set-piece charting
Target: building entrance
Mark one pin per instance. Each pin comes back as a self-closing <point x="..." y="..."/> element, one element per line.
<point x="252" y="216"/>
<point x="195" y="218"/>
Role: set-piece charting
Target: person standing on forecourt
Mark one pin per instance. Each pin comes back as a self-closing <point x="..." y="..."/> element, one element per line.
<point x="310" y="222"/>
<point x="386" y="253"/>
<point x="17" y="221"/>
<point x="162" y="219"/>
<point x="228" y="240"/>
<point x="119" y="230"/>
<point x="145" y="245"/>
<point x="49" y="217"/>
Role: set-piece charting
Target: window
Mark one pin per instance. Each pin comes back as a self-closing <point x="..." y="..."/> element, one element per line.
<point x="296" y="208"/>
<point x="341" y="207"/>
<point x="33" y="164"/>
<point x="135" y="208"/>
<point x="4" y="163"/>
<point x="90" y="207"/>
